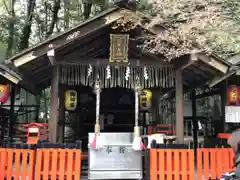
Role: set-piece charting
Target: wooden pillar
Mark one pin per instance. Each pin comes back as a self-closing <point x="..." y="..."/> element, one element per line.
<point x="61" y="127"/>
<point x="179" y="107"/>
<point x="155" y="106"/>
<point x="37" y="108"/>
<point x="53" y="121"/>
<point x="12" y="113"/>
<point x="195" y="122"/>
<point x="223" y="103"/>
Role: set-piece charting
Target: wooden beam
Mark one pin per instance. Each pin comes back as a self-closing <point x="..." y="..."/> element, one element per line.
<point x="184" y="66"/>
<point x="213" y="62"/>
<point x="217" y="79"/>
<point x="133" y="62"/>
<point x="179" y="106"/>
<point x="29" y="86"/>
<point x="206" y="94"/>
<point x="184" y="62"/>
<point x="67" y="37"/>
<point x="51" y="55"/>
<point x="9" y="74"/>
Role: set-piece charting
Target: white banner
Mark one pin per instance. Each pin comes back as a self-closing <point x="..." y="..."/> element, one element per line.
<point x="232" y="114"/>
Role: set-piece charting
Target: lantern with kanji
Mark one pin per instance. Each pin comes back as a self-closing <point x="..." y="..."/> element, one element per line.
<point x="4" y="93"/>
<point x="70" y="100"/>
<point x="232" y="93"/>
<point x="146" y="99"/>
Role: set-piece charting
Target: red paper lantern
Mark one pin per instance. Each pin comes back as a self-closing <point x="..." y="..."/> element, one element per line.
<point x="232" y="93"/>
<point x="4" y="93"/>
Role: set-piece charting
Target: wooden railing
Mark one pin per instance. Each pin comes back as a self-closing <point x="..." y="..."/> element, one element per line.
<point x="40" y="164"/>
<point x="166" y="164"/>
<point x="15" y="163"/>
<point x="178" y="164"/>
<point x="213" y="162"/>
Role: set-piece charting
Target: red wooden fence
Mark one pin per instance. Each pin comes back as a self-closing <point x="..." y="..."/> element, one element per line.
<point x="41" y="164"/>
<point x="212" y="163"/>
<point x="62" y="163"/>
<point x="178" y="164"/>
<point x="171" y="164"/>
<point x="15" y="163"/>
<point x="65" y="164"/>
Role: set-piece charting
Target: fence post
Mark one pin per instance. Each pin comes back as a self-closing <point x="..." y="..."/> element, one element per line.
<point x="147" y="164"/>
<point x="153" y="164"/>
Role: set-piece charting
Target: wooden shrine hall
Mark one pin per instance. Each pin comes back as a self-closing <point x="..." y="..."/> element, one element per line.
<point x="104" y="50"/>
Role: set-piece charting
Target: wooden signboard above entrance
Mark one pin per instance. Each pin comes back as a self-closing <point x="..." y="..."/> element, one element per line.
<point x="119" y="47"/>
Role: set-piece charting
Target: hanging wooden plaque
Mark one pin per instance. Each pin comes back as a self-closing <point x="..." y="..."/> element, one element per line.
<point x="119" y="47"/>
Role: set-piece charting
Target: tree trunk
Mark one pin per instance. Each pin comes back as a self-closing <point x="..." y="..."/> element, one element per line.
<point x="87" y="9"/>
<point x="26" y="31"/>
<point x="66" y="14"/>
<point x="56" y="8"/>
<point x="11" y="30"/>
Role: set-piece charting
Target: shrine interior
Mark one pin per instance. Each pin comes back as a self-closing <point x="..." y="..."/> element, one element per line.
<point x="116" y="113"/>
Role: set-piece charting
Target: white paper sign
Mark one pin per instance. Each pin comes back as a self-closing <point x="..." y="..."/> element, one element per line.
<point x="158" y="137"/>
<point x="232" y="114"/>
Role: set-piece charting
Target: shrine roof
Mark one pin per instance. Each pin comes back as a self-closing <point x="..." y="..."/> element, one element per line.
<point x="7" y="75"/>
<point x="88" y="39"/>
<point x="231" y="74"/>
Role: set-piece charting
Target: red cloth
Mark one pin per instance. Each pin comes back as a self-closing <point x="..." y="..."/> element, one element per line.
<point x="94" y="143"/>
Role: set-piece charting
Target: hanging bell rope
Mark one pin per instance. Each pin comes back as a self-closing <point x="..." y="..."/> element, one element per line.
<point x="97" y="125"/>
<point x="96" y="143"/>
<point x="137" y="90"/>
<point x="137" y="140"/>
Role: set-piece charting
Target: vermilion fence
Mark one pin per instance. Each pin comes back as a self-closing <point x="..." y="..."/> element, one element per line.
<point x="178" y="164"/>
<point x="40" y="164"/>
<point x="62" y="164"/>
<point x="65" y="164"/>
<point x="15" y="163"/>
<point x="171" y="164"/>
<point x="213" y="162"/>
